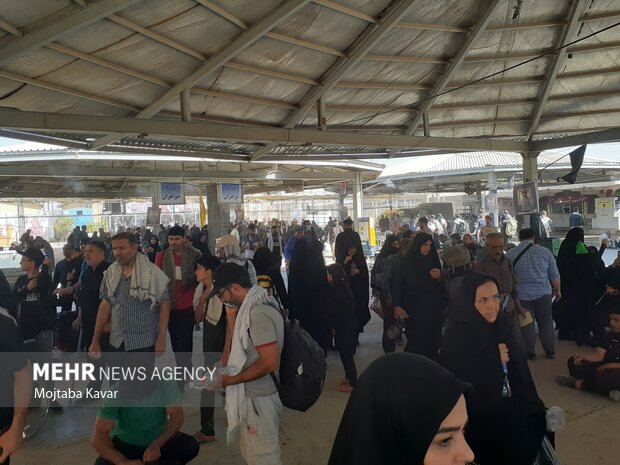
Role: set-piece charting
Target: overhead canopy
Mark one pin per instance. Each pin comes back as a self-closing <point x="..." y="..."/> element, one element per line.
<point x="461" y="172"/>
<point x="274" y="80"/>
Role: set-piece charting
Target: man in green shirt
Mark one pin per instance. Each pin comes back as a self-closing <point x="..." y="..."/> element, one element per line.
<point x="141" y="425"/>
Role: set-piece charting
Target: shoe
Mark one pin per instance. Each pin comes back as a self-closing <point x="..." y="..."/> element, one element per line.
<point x="614" y="395"/>
<point x="56" y="408"/>
<point x="550" y="355"/>
<point x="565" y="380"/>
<point x="531" y="357"/>
<point x="200" y="437"/>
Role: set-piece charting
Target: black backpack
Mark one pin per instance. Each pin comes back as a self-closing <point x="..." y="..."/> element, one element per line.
<point x="302" y="368"/>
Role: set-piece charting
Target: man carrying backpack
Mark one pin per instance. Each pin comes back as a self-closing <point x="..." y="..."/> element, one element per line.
<point x="254" y="342"/>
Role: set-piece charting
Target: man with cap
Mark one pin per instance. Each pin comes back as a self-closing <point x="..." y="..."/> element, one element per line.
<point x="254" y="341"/>
<point x="178" y="262"/>
<point x="230" y="252"/>
<point x="34" y="308"/>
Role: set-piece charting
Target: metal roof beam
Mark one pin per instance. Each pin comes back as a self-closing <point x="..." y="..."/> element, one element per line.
<point x="80" y="19"/>
<point x="67" y="90"/>
<point x="454" y="65"/>
<point x="570" y="33"/>
<point x="43" y="139"/>
<point x="599" y="137"/>
<point x="238" y="45"/>
<point x="64" y="172"/>
<point x="25" y="120"/>
<point x="272" y="35"/>
<point x="347" y="11"/>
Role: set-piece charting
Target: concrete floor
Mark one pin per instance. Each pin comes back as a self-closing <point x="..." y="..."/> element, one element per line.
<point x="590" y="436"/>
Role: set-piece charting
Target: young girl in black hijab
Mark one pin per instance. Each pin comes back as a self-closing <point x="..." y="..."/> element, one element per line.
<point x="420" y="422"/>
<point x="506" y="416"/>
<point x="341" y="313"/>
<point x="419" y="297"/>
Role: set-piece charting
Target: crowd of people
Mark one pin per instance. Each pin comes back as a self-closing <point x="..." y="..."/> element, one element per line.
<point x="464" y="304"/>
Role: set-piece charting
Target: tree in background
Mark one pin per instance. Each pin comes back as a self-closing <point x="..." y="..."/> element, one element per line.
<point x="62" y="229"/>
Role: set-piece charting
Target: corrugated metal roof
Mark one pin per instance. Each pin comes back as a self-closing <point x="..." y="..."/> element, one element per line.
<point x="125" y="60"/>
<point x="459" y="162"/>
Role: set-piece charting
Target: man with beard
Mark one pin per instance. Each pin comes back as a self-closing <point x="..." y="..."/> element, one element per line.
<point x="89" y="299"/>
<point x="179" y="262"/>
<point x="254" y="341"/>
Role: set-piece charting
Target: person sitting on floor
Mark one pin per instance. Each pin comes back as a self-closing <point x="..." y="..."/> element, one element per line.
<point x="599" y="371"/>
<point x="141" y="423"/>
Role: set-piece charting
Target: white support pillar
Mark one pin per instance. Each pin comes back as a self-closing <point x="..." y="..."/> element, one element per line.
<point x="154" y="199"/>
<point x="358" y="198"/>
<point x="480" y="204"/>
<point x="492" y="191"/>
<point x="530" y="174"/>
<point x="218" y="216"/>
<point x="530" y="166"/>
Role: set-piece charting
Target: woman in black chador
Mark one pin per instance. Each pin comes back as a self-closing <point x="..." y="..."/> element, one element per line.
<point x="419" y="296"/>
<point x="307" y="290"/>
<point x="506" y="416"/>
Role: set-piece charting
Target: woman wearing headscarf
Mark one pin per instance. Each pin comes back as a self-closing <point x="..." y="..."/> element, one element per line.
<point x="578" y="276"/>
<point x="203" y="244"/>
<point x="343" y="320"/>
<point x="307" y="289"/>
<point x="357" y="272"/>
<point x="390" y="247"/>
<point x="151" y="248"/>
<point x="419" y="297"/>
<point x="506" y="416"/>
<point x="265" y="265"/>
<point x="420" y="422"/>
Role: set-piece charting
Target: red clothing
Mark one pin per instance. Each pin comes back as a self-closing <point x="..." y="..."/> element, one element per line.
<point x="184" y="298"/>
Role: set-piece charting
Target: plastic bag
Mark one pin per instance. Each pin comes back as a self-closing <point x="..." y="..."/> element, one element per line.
<point x="546" y="456"/>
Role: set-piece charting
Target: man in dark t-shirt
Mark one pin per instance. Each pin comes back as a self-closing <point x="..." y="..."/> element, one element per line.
<point x="15" y="378"/>
<point x="89" y="298"/>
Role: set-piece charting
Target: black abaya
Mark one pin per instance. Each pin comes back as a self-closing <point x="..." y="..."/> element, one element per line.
<point x="359" y="283"/>
<point x="578" y="280"/>
<point x="307" y="291"/>
<point x="501" y="431"/>
<point x="421" y="296"/>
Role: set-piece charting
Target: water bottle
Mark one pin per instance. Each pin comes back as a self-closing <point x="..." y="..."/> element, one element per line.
<point x="506" y="390"/>
<point x="556" y="418"/>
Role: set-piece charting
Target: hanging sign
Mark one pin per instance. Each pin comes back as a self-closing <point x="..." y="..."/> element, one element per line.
<point x="170" y="193"/>
<point x="229" y="193"/>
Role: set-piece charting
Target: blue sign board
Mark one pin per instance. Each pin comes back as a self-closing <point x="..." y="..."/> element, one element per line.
<point x="171" y="193"/>
<point x="229" y="193"/>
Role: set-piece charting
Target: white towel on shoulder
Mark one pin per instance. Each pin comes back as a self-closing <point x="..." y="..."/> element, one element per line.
<point x="235" y="395"/>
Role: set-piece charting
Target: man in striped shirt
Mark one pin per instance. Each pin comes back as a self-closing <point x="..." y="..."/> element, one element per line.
<point x="135" y="317"/>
